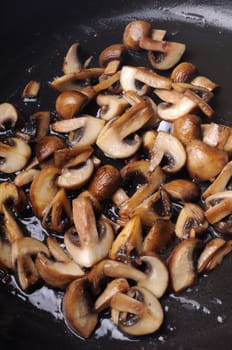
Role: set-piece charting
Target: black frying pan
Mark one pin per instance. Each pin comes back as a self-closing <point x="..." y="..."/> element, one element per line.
<point x="34" y="39"/>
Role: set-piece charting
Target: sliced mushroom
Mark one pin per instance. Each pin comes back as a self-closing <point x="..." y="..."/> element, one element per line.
<point x="70" y="103"/>
<point x="111" y="56"/>
<point x="5" y="255"/>
<point x="89" y="244"/>
<point x="8" y="115"/>
<point x="138" y="312"/>
<point x="83" y="130"/>
<point x="31" y="89"/>
<point x="187" y="128"/>
<point x="42" y="119"/>
<point x="111" y="105"/>
<point x="114" y="140"/>
<point x="208" y="252"/>
<point x="191" y="221"/>
<point x="184" y="72"/>
<point x="203" y="161"/>
<point x="78" y="308"/>
<point x="170" y="112"/>
<point x="183" y="190"/>
<point x="129" y="75"/>
<point x="118" y="285"/>
<point x="158" y="237"/>
<point x="14" y="154"/>
<point x="134" y="31"/>
<point x="219" y="255"/>
<point x="128" y="241"/>
<point x="72" y="62"/>
<point x="215" y="135"/>
<point x="218" y="206"/>
<point x="204" y="82"/>
<point x="25" y="177"/>
<point x="23" y="249"/>
<point x="200" y="102"/>
<point x="46" y="146"/>
<point x="168" y="145"/>
<point x="181" y="264"/>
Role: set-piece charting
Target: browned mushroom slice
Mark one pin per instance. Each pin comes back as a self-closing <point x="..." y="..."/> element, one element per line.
<point x="42" y="119"/>
<point x="170" y="112"/>
<point x="187" y="128"/>
<point x="70" y="103"/>
<point x="23" y="249"/>
<point x="72" y="62"/>
<point x="8" y="115"/>
<point x="114" y="139"/>
<point x="5" y="254"/>
<point x="118" y="285"/>
<point x="200" y="102"/>
<point x="167" y="145"/>
<point x="220" y="183"/>
<point x="138" y="312"/>
<point x="129" y="75"/>
<point x="208" y="252"/>
<point x="203" y="161"/>
<point x="158" y="236"/>
<point x="104" y="182"/>
<point x="31" y="89"/>
<point x="111" y="105"/>
<point x="219" y="255"/>
<point x="181" y="264"/>
<point x="43" y="189"/>
<point x="191" y="221"/>
<point x="78" y="308"/>
<point x="218" y="206"/>
<point x="15" y="154"/>
<point x="94" y="242"/>
<point x="128" y="241"/>
<point x="184" y="72"/>
<point x="166" y="57"/>
<point x="46" y="146"/>
<point x="204" y="82"/>
<point x="83" y="130"/>
<point x="182" y="190"/>
<point x="215" y="135"/>
<point x="25" y="177"/>
<point x="111" y="58"/>
<point x="134" y="31"/>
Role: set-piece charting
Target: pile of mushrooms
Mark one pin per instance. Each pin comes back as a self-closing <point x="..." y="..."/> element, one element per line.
<point x="165" y="187"/>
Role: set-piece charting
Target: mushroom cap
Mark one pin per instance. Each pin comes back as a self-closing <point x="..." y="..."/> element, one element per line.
<point x="133" y="32"/>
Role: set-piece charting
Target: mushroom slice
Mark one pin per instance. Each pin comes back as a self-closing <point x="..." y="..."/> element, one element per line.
<point x="113" y="139"/>
<point x="31" y="89"/>
<point x="187" y="128"/>
<point x="138" y="312"/>
<point x="47" y="145"/>
<point x="43" y="189"/>
<point x="182" y="190"/>
<point x="14" y="154"/>
<point x="218" y="206"/>
<point x="8" y="115"/>
<point x="220" y="183"/>
<point x="111" y="105"/>
<point x="78" y="308"/>
<point x="72" y="62"/>
<point x="167" y="58"/>
<point x="184" y="72"/>
<point x="129" y="76"/>
<point x="118" y="285"/>
<point x="56" y="273"/>
<point x="203" y="105"/>
<point x="26" y="177"/>
<point x="93" y="242"/>
<point x="158" y="237"/>
<point x="83" y="130"/>
<point x="22" y="251"/>
<point x="203" y="161"/>
<point x="215" y="135"/>
<point x="170" y="112"/>
<point x="181" y="264"/>
<point x="208" y="252"/>
<point x="111" y="57"/>
<point x="128" y="241"/>
<point x="191" y="221"/>
<point x="219" y="255"/>
<point x="169" y="96"/>
<point x="168" y="145"/>
<point x="204" y="82"/>
<point x="42" y="119"/>
<point x="5" y="254"/>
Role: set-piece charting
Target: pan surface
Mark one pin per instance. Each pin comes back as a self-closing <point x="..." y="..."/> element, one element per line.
<point x="34" y="39"/>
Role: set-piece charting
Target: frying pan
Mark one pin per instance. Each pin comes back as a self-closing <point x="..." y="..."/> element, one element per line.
<point x="34" y="39"/>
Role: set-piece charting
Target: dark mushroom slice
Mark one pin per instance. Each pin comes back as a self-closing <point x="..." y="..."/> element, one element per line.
<point x="158" y="237"/>
<point x="47" y="145"/>
<point x="138" y="312"/>
<point x="219" y="255"/>
<point x="114" y="140"/>
<point x="5" y="255"/>
<point x="187" y="128"/>
<point x="90" y="243"/>
<point x="8" y="115"/>
<point x="83" y="131"/>
<point x="208" y="252"/>
<point x="191" y="221"/>
<point x="15" y="154"/>
<point x="184" y="72"/>
<point x="167" y="145"/>
<point x="181" y="264"/>
<point x="203" y="161"/>
<point x="128" y="241"/>
<point x="134" y="31"/>
<point x="78" y="308"/>
<point x="183" y="190"/>
<point x="111" y="58"/>
<point x="70" y="103"/>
